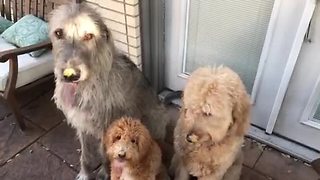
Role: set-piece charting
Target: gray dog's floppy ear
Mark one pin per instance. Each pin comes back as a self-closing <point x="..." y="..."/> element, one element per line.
<point x="241" y="110"/>
<point x="105" y="31"/>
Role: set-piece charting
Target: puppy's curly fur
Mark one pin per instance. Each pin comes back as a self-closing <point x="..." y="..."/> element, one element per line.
<point x="131" y="150"/>
<point x="212" y="124"/>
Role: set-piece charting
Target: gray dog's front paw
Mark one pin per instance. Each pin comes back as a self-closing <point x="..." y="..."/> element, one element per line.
<point x="82" y="176"/>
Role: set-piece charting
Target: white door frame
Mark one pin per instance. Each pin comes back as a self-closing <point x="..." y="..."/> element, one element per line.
<point x="293" y="56"/>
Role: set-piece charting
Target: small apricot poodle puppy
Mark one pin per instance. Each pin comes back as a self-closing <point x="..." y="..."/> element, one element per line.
<point x="210" y="131"/>
<point x="133" y="154"/>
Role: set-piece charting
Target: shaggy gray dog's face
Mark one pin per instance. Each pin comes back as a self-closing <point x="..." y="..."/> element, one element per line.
<point x="77" y="33"/>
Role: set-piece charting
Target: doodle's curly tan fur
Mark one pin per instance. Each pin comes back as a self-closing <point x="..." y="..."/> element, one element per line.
<point x="213" y="121"/>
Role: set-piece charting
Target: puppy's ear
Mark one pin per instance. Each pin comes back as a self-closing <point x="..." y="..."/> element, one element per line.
<point x="144" y="141"/>
<point x="241" y="110"/>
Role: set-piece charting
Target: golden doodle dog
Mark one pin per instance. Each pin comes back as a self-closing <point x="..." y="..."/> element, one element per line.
<point x="211" y="128"/>
<point x="133" y="154"/>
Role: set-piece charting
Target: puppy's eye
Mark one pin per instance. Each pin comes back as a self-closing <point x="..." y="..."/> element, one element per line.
<point x="59" y="33"/>
<point x="184" y="111"/>
<point x="207" y="114"/>
<point x="87" y="37"/>
<point x="115" y="139"/>
<point x="118" y="137"/>
<point x="133" y="141"/>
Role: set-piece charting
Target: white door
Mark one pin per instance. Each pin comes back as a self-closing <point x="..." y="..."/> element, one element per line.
<point x="259" y="39"/>
<point x="299" y="117"/>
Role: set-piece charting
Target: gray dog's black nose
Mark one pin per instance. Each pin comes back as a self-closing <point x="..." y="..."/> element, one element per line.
<point x="122" y="155"/>
<point x="71" y="78"/>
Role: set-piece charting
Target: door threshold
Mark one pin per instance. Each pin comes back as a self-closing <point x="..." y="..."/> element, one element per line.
<point x="284" y="145"/>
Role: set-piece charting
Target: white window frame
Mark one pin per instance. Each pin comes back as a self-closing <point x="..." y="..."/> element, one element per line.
<point x="311" y="108"/>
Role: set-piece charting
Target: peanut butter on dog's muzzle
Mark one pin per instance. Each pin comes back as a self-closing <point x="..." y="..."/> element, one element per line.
<point x="68" y="72"/>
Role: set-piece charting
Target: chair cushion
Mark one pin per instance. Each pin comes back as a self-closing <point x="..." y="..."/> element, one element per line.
<point x="29" y="68"/>
<point x="29" y="30"/>
<point x="4" y="24"/>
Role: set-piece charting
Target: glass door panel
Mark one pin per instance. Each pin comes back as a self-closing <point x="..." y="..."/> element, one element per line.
<point x="227" y="32"/>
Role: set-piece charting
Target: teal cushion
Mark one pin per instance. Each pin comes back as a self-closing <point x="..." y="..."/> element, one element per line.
<point x="4" y="24"/>
<point x="29" y="30"/>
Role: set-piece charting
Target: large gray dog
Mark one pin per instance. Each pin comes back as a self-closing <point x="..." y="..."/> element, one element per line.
<point x="94" y="83"/>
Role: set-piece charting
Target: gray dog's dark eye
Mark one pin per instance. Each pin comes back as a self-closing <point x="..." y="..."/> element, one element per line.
<point x="59" y="33"/>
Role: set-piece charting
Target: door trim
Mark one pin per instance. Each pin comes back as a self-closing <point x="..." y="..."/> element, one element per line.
<point x="293" y="56"/>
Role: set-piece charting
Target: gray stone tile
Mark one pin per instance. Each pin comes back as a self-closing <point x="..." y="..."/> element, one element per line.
<point x="281" y="167"/>
<point x="252" y="151"/>
<point x="63" y="142"/>
<point x="12" y="140"/>
<point x="249" y="174"/>
<point x="44" y="112"/>
<point x="35" y="163"/>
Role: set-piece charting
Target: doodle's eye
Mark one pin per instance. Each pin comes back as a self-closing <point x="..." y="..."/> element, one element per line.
<point x="207" y="114"/>
<point x="133" y="141"/>
<point x="59" y="33"/>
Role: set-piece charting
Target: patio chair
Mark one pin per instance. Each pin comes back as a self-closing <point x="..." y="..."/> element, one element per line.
<point x="17" y="67"/>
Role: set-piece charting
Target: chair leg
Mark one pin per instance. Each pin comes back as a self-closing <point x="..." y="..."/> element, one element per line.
<point x="13" y="105"/>
<point x="10" y="91"/>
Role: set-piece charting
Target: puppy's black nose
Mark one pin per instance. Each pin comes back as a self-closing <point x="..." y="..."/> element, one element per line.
<point x="122" y="155"/>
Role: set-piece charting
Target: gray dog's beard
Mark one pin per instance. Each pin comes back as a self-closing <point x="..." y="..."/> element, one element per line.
<point x="69" y="93"/>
